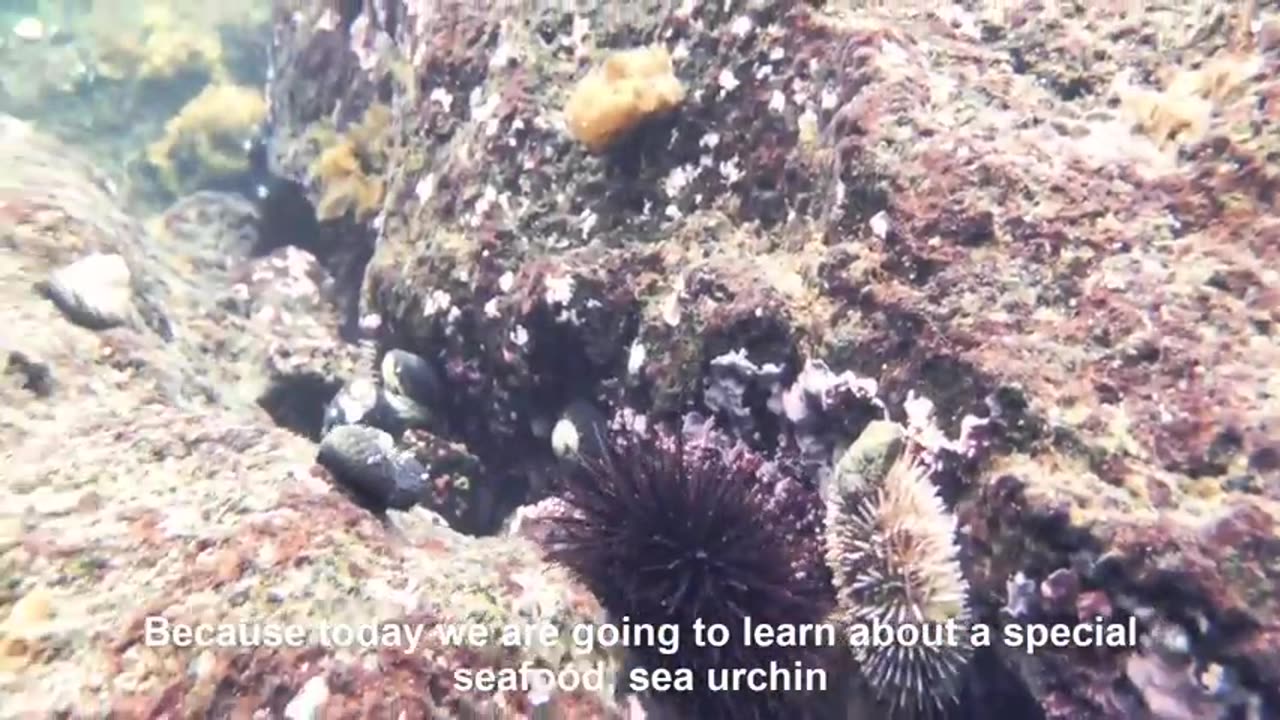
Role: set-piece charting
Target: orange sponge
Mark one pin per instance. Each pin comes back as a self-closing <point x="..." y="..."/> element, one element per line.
<point x="628" y="87"/>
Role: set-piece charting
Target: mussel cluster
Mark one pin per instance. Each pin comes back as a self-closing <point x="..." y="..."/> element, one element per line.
<point x="364" y="419"/>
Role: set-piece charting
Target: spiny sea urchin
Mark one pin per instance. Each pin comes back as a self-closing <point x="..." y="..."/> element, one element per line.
<point x="675" y="527"/>
<point x="894" y="561"/>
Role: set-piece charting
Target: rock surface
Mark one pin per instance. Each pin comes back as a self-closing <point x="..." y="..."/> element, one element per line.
<point x="1062" y="217"/>
<point x="142" y="478"/>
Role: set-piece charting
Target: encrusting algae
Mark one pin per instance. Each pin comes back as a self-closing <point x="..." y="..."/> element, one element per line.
<point x="613" y="99"/>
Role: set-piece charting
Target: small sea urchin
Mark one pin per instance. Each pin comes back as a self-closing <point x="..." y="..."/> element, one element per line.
<point x="894" y="560"/>
<point x="677" y="527"/>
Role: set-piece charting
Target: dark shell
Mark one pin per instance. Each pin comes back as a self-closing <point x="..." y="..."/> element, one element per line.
<point x="409" y="375"/>
<point x="358" y="402"/>
<point x="591" y="430"/>
<point x="365" y="461"/>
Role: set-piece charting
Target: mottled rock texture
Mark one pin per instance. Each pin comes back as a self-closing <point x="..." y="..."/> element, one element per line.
<point x="959" y="204"/>
<point x="142" y="475"/>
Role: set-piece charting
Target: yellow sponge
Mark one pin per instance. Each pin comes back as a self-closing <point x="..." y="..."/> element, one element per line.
<point x="614" y="98"/>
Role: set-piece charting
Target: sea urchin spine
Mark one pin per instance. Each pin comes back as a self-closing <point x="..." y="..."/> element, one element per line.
<point x="678" y="527"/>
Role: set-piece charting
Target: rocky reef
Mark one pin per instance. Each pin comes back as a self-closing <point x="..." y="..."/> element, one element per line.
<point x="1040" y="241"/>
<point x="988" y="210"/>
<point x="154" y="468"/>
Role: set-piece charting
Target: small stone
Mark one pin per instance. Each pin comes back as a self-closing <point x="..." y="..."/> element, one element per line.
<point x="20" y="631"/>
<point x="32" y="609"/>
<point x="36" y="376"/>
<point x="94" y="291"/>
<point x="30" y="29"/>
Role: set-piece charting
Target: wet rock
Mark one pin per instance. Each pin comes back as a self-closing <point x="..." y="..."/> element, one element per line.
<point x="149" y="479"/>
<point x="367" y="462"/>
<point x="945" y="205"/>
<point x="94" y="291"/>
<point x="35" y="376"/>
<point x="462" y="489"/>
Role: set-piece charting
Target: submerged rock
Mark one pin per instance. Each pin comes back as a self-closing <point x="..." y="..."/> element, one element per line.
<point x="875" y="208"/>
<point x="148" y="479"/>
<point x="93" y="291"/>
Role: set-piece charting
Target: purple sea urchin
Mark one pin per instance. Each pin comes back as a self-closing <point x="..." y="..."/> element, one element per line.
<point x="894" y="560"/>
<point x="673" y="528"/>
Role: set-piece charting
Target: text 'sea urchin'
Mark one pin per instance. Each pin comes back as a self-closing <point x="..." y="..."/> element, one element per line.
<point x="675" y="527"/>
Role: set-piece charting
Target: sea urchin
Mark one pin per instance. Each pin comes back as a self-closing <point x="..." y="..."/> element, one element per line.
<point x="675" y="527"/>
<point x="894" y="560"/>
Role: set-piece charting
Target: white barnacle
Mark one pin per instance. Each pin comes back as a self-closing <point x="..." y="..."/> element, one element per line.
<point x="589" y="219"/>
<point x="741" y="25"/>
<point x="777" y="101"/>
<point x="559" y="290"/>
<point x="425" y="188"/>
<point x="879" y="224"/>
<point x="565" y="439"/>
<point x="443" y="97"/>
<point x="829" y="98"/>
<point x="732" y="173"/>
<point x="636" y="358"/>
<point x="520" y="336"/>
<point x="507" y="281"/>
<point x="437" y="301"/>
<point x="728" y="81"/>
<point x="491" y="308"/>
<point x="678" y="179"/>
